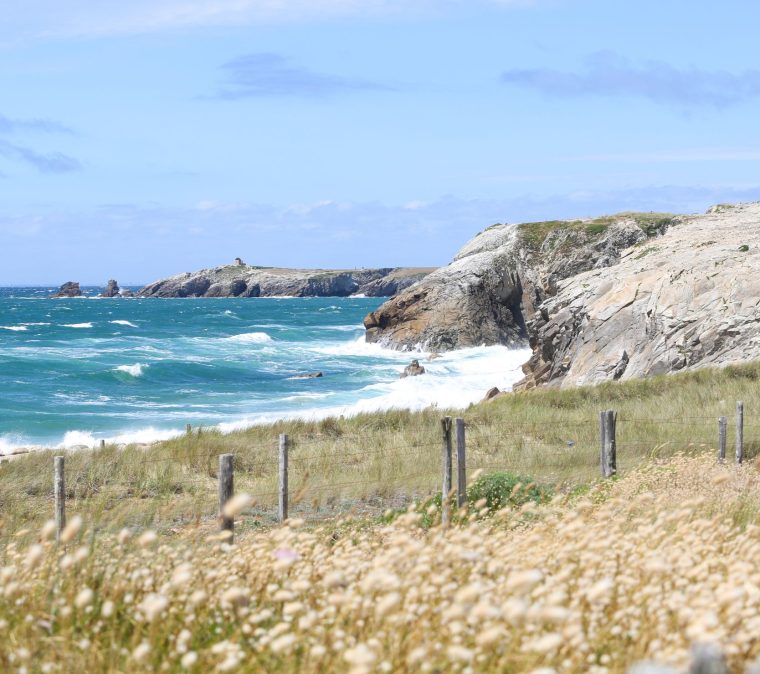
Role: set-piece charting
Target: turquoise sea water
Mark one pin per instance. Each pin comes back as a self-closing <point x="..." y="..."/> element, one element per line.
<point x="73" y="371"/>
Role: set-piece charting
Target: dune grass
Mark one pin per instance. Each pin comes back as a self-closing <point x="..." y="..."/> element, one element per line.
<point x="370" y="462"/>
<point x="638" y="568"/>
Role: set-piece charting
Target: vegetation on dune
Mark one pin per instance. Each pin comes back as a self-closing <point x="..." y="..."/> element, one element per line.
<point x="371" y="462"/>
<point x="637" y="568"/>
<point x="652" y="224"/>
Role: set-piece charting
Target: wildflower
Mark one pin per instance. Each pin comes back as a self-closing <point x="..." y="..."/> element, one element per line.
<point x="141" y="652"/>
<point x="148" y="538"/>
<point x="34" y="555"/>
<point x="84" y="598"/>
<point x="189" y="659"/>
<point x="71" y="529"/>
<point x="48" y="530"/>
<point x="282" y="643"/>
<point x="153" y="606"/>
<point x="524" y="581"/>
<point x="107" y="609"/>
<point x="237" y="504"/>
<point x="544" y="644"/>
<point x="460" y="653"/>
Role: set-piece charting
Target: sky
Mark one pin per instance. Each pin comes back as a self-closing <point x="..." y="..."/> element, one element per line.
<point x="141" y="139"/>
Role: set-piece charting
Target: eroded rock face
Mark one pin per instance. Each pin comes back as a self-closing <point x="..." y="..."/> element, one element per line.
<point x="240" y="280"/>
<point x="111" y="289"/>
<point x="687" y="299"/>
<point x="498" y="279"/>
<point x="69" y="289"/>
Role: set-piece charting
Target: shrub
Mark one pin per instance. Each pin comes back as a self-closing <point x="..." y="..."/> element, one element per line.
<point x="507" y="489"/>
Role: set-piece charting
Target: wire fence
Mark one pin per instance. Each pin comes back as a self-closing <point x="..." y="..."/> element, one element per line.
<point x="330" y="474"/>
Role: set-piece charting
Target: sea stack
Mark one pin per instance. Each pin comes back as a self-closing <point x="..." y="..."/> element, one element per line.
<point x="111" y="290"/>
<point x="68" y="289"/>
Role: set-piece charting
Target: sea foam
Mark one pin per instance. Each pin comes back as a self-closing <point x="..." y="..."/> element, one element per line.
<point x="135" y="370"/>
<point x="251" y="338"/>
<point x="77" y="325"/>
<point x="14" y="328"/>
<point x="122" y="322"/>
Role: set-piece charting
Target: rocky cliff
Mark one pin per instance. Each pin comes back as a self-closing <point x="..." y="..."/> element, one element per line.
<point x="687" y="299"/>
<point x="497" y="281"/>
<point x="241" y="280"/>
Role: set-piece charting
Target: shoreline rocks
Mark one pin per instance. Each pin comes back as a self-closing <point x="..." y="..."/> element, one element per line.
<point x="414" y="369"/>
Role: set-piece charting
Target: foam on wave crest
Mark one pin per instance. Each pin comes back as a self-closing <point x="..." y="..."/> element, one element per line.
<point x="123" y="322"/>
<point x="77" y="325"/>
<point x="135" y="370"/>
<point x="251" y="338"/>
<point x="14" y="328"/>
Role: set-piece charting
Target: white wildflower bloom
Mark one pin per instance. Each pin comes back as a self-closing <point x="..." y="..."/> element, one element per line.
<point x="71" y="529"/>
<point x="84" y="598"/>
<point x="142" y="652"/>
<point x="189" y="659"/>
<point x="237" y="504"/>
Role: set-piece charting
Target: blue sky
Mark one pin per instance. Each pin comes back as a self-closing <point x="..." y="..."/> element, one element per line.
<point x="146" y="138"/>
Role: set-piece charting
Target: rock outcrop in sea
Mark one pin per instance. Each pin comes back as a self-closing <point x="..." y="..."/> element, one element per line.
<point x="111" y="290"/>
<point x="617" y="297"/>
<point x="242" y="280"/>
<point x="68" y="289"/>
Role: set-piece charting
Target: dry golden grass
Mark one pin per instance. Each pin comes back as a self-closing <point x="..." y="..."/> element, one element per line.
<point x="637" y="568"/>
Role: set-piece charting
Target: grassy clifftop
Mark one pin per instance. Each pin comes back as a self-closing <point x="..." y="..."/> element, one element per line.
<point x="534" y="233"/>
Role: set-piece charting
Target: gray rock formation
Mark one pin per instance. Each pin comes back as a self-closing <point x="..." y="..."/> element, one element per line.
<point x="111" y="290"/>
<point x="687" y="299"/>
<point x="498" y="279"/>
<point x="240" y="280"/>
<point x="68" y="289"/>
<point x="414" y="369"/>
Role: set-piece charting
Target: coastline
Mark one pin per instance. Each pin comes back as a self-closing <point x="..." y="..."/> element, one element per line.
<point x="453" y="381"/>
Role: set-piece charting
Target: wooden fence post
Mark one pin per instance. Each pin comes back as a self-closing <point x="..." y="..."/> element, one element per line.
<point x="446" y="456"/>
<point x="188" y="428"/>
<point x="739" y="431"/>
<point x="602" y="440"/>
<point x="609" y="446"/>
<point x="461" y="463"/>
<point x="59" y="488"/>
<point x="226" y="490"/>
<point x="283" y="482"/>
<point x="722" y="423"/>
<point x="102" y="444"/>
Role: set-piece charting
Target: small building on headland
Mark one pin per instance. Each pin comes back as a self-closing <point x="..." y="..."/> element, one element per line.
<point x="238" y="262"/>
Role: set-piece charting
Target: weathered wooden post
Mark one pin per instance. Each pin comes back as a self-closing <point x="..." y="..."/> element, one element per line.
<point x="461" y="463"/>
<point x="188" y="428"/>
<point x="602" y="440"/>
<point x="102" y="444"/>
<point x="739" y="431"/>
<point x="722" y="423"/>
<point x="283" y="482"/>
<point x="59" y="489"/>
<point x="226" y="490"/>
<point x="446" y="460"/>
<point x="609" y="447"/>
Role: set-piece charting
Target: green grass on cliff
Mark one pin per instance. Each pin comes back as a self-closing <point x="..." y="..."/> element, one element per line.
<point x="535" y="233"/>
<point x="374" y="461"/>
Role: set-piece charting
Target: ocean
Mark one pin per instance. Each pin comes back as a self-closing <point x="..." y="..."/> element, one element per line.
<point x="75" y="371"/>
